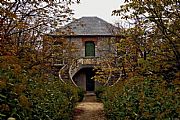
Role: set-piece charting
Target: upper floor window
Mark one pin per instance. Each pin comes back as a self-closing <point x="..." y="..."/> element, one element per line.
<point x="89" y="48"/>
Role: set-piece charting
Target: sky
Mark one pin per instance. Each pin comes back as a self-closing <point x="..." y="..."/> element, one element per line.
<point x="100" y="8"/>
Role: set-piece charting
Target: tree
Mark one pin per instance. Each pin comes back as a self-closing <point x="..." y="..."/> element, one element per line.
<point x="24" y="23"/>
<point x="160" y="18"/>
<point x="154" y="33"/>
<point x="150" y="60"/>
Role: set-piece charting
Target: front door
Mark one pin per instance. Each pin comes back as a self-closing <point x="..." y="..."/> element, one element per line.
<point x="90" y="84"/>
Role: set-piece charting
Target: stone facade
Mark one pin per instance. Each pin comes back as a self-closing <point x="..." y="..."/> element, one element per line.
<point x="101" y="45"/>
<point x="91" y="41"/>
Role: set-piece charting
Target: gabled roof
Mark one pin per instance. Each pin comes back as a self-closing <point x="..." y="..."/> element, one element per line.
<point x="88" y="26"/>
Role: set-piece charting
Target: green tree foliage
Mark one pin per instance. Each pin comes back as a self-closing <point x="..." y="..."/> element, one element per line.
<point x="39" y="97"/>
<point x="155" y="21"/>
<point x="150" y="61"/>
<point x="27" y="86"/>
<point x="151" y="45"/>
<point x="142" y="98"/>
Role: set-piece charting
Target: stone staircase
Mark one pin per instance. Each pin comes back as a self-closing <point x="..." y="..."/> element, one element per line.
<point x="67" y="72"/>
<point x="64" y="73"/>
<point x="89" y="96"/>
<point x="55" y="70"/>
<point x="82" y="63"/>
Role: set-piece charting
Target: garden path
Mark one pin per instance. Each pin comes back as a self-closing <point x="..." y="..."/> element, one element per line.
<point x="89" y="109"/>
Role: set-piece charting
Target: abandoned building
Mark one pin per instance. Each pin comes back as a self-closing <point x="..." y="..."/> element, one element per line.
<point x="88" y="40"/>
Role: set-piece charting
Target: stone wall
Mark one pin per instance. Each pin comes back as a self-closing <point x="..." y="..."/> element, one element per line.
<point x="102" y="45"/>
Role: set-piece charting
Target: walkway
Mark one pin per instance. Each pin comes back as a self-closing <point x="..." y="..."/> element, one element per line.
<point x="89" y="109"/>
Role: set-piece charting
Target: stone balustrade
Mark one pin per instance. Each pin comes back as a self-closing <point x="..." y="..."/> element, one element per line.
<point x="83" y="62"/>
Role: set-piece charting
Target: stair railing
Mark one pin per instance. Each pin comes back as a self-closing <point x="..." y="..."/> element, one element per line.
<point x="120" y="75"/>
<point x="110" y="74"/>
<point x="118" y="79"/>
<point x="61" y="71"/>
<point x="75" y="67"/>
<point x="77" y="64"/>
<point x="72" y="69"/>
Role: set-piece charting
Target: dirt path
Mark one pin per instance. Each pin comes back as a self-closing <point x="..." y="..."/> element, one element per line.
<point x="89" y="109"/>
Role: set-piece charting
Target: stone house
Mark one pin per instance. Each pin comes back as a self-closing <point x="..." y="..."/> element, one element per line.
<point x="91" y="36"/>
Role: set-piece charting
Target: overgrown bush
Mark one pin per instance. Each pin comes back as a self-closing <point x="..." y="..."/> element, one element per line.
<point x="39" y="96"/>
<point x="53" y="100"/>
<point x="13" y="101"/>
<point x="99" y="92"/>
<point x="143" y="98"/>
<point x="81" y="93"/>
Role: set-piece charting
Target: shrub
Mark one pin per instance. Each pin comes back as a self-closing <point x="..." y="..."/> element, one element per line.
<point x="99" y="92"/>
<point x="53" y="100"/>
<point x="35" y="97"/>
<point x="81" y="93"/>
<point x="139" y="98"/>
<point x="13" y="102"/>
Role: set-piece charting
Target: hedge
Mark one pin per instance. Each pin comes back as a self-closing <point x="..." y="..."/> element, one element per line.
<point x="142" y="98"/>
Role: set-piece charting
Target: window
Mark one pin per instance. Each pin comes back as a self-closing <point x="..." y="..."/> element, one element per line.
<point x="89" y="48"/>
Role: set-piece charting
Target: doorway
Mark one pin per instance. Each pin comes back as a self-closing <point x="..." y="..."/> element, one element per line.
<point x="90" y="83"/>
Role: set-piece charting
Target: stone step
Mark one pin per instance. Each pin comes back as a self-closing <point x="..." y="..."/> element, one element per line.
<point x="90" y="93"/>
<point x="89" y="96"/>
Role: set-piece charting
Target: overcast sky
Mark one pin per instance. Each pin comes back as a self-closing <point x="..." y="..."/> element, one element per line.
<point x="99" y="8"/>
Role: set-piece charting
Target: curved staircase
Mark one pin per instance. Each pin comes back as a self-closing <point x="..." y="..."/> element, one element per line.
<point x="64" y="75"/>
<point x="67" y="72"/>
